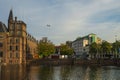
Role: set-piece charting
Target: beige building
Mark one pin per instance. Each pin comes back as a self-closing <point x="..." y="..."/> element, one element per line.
<point x="16" y="45"/>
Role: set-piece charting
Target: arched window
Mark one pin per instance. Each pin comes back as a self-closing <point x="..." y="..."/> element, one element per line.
<point x="10" y="48"/>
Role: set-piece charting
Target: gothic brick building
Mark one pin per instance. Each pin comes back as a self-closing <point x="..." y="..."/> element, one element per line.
<point x="16" y="45"/>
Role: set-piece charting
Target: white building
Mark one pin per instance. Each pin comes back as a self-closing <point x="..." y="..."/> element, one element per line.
<point x="81" y="44"/>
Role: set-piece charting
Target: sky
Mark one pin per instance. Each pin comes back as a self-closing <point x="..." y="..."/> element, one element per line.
<point x="68" y="19"/>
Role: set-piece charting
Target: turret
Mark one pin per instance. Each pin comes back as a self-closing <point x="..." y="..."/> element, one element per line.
<point x="10" y="18"/>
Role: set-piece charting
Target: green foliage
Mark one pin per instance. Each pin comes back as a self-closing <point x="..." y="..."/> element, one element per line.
<point x="65" y="50"/>
<point x="95" y="48"/>
<point x="45" y="48"/>
<point x="106" y="47"/>
<point x="115" y="47"/>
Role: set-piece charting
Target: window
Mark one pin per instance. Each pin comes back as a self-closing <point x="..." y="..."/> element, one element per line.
<point x="1" y="54"/>
<point x="1" y="36"/>
<point x="10" y="48"/>
<point x="17" y="40"/>
<point x="16" y="47"/>
<point x="11" y="40"/>
<point x="10" y="55"/>
<point x="1" y="44"/>
<point x="17" y="55"/>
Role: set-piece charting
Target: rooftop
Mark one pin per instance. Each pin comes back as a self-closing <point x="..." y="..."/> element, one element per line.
<point x="3" y="27"/>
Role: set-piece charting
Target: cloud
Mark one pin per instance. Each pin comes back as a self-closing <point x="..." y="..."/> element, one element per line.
<point x="68" y="18"/>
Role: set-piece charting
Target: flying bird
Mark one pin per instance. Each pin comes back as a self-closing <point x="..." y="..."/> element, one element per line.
<point x="48" y="25"/>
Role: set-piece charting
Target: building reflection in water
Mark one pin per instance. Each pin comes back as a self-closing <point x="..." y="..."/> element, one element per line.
<point x="13" y="72"/>
<point x="23" y="72"/>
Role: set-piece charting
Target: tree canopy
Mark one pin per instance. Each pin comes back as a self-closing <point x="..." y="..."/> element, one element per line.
<point x="105" y="47"/>
<point x="116" y="47"/>
<point x="94" y="48"/>
<point x="65" y="50"/>
<point x="45" y="48"/>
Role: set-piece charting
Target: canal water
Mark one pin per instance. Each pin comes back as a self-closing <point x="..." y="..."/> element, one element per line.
<point x="23" y="72"/>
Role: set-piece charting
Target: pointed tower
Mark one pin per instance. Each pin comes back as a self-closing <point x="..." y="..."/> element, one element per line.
<point x="10" y="18"/>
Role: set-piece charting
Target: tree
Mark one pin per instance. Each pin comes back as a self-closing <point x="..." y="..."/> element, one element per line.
<point x="116" y="47"/>
<point x="65" y="50"/>
<point x="106" y="47"/>
<point x="94" y="49"/>
<point x="45" y="48"/>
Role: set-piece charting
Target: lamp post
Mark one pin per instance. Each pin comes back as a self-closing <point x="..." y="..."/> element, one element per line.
<point x="115" y="37"/>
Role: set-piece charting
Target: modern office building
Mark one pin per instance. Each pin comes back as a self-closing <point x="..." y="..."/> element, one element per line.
<point x="81" y="44"/>
<point x="16" y="45"/>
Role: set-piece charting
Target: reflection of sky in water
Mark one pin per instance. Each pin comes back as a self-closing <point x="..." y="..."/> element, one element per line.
<point x="59" y="73"/>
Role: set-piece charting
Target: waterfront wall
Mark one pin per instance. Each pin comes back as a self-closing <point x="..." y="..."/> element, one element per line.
<point x="101" y="62"/>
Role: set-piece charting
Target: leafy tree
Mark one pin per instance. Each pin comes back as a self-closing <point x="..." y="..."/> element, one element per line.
<point x="45" y="48"/>
<point x="94" y="48"/>
<point x="106" y="47"/>
<point x="65" y="50"/>
<point x="115" y="47"/>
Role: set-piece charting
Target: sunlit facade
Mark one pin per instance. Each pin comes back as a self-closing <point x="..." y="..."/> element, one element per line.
<point x="16" y="45"/>
<point x="81" y="44"/>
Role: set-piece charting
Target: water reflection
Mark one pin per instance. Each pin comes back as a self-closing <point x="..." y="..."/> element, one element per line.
<point x="12" y="72"/>
<point x="23" y="72"/>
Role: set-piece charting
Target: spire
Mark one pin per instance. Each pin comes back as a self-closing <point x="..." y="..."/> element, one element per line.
<point x="10" y="15"/>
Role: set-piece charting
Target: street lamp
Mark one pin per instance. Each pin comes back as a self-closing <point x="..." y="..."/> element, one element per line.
<point x="115" y="37"/>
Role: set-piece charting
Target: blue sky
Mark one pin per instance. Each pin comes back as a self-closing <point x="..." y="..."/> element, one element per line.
<point x="68" y="18"/>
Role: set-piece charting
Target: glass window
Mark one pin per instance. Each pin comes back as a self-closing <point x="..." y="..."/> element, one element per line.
<point x="17" y="40"/>
<point x="1" y="54"/>
<point x="10" y="48"/>
<point x="17" y="48"/>
<point x="10" y="55"/>
<point x="1" y="36"/>
<point x="17" y="55"/>
<point x="1" y="44"/>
